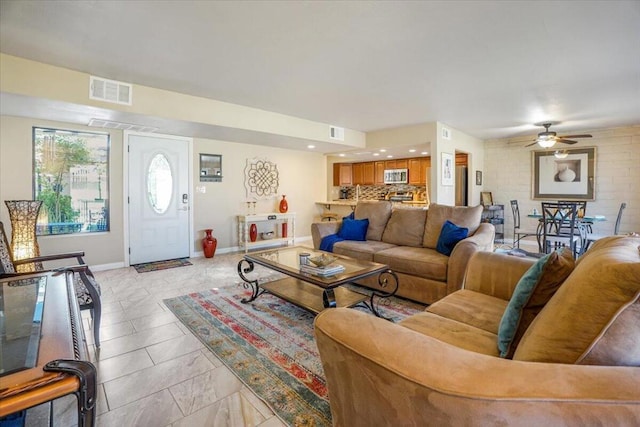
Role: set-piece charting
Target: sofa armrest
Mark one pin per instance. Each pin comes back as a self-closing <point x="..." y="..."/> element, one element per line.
<point x="323" y="229"/>
<point x="380" y="373"/>
<point x="495" y="274"/>
<point x="481" y="240"/>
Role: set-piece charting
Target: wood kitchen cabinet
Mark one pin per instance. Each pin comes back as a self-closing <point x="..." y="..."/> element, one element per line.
<point x="357" y="176"/>
<point x="379" y="173"/>
<point x="389" y="164"/>
<point x="416" y="172"/>
<point x="342" y="174"/>
<point x="402" y="164"/>
<point x="368" y="173"/>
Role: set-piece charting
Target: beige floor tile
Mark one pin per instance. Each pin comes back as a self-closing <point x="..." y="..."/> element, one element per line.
<point x="125" y="390"/>
<point x="155" y="410"/>
<point x="273" y="422"/>
<point x="122" y="365"/>
<point x="101" y="403"/>
<point x="110" y="332"/>
<point x="153" y="320"/>
<point x="257" y="402"/>
<point x="203" y="390"/>
<point x="233" y="411"/>
<point x="173" y="348"/>
<point x="212" y="358"/>
<point x="138" y="340"/>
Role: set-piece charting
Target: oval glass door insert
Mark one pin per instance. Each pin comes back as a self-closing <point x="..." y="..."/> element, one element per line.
<point x="159" y="183"/>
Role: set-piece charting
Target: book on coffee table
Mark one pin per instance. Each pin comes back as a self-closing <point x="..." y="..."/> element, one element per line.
<point x="329" y="270"/>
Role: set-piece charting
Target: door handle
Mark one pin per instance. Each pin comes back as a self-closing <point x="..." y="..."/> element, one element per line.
<point x="185" y="198"/>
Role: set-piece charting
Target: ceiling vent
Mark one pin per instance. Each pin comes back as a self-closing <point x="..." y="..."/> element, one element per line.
<point x="110" y="91"/>
<point x="108" y="124"/>
<point x="336" y="133"/>
<point x="446" y="133"/>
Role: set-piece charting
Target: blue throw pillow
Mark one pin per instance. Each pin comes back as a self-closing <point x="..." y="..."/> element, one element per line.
<point x="354" y="229"/>
<point x="450" y="235"/>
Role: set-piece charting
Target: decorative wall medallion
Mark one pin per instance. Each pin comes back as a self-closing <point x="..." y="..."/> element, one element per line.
<point x="261" y="179"/>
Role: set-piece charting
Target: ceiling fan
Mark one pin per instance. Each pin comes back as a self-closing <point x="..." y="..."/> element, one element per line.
<point x="548" y="138"/>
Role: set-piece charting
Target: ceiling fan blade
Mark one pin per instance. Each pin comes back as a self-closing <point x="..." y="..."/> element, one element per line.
<point x="566" y="141"/>
<point x="533" y="143"/>
<point x="575" y="136"/>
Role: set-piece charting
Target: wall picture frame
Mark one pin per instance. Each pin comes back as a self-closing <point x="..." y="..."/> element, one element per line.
<point x="447" y="169"/>
<point x="571" y="177"/>
<point x="478" y="177"/>
<point x="486" y="198"/>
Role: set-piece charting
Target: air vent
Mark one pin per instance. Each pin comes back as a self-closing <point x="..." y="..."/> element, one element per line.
<point x="110" y="91"/>
<point x="108" y="124"/>
<point x="336" y="133"/>
<point x="446" y="133"/>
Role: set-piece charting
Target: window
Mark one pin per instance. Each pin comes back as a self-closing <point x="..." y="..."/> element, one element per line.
<point x="71" y="177"/>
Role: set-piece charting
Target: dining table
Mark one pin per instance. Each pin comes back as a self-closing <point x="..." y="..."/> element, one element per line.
<point x="583" y="223"/>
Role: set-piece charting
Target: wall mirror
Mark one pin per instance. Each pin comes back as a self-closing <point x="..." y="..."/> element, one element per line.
<point x="210" y="168"/>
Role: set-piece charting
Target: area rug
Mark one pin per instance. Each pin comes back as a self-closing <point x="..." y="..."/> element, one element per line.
<point x="270" y="345"/>
<point x="160" y="265"/>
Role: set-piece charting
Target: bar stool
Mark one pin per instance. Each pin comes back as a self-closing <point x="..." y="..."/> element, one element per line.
<point x="329" y="216"/>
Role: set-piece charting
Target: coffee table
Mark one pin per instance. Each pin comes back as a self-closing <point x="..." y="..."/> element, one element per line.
<point x="313" y="292"/>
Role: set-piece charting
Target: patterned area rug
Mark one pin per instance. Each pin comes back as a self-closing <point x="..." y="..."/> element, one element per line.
<point x="160" y="265"/>
<point x="269" y="344"/>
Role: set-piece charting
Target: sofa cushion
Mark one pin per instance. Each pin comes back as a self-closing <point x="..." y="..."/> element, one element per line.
<point x="421" y="262"/>
<point x="473" y="308"/>
<point x="581" y="323"/>
<point x="462" y="216"/>
<point x="360" y="250"/>
<point x="450" y="235"/>
<point x="405" y="227"/>
<point x="452" y="332"/>
<point x="353" y="229"/>
<point x="534" y="289"/>
<point x="378" y="213"/>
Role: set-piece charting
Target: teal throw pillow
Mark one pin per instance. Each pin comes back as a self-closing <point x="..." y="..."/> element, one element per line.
<point x="534" y="289"/>
<point x="354" y="229"/>
<point x="450" y="235"/>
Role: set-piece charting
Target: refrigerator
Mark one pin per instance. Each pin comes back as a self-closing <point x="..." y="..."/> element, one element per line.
<point x="461" y="185"/>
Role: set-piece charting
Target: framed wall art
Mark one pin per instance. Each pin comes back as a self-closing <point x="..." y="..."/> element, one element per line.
<point x="478" y="177"/>
<point x="570" y="177"/>
<point x="486" y="198"/>
<point x="447" y="169"/>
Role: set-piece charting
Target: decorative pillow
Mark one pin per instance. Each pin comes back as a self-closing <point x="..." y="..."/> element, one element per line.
<point x="354" y="229"/>
<point x="450" y="235"/>
<point x="534" y="289"/>
<point x="463" y="216"/>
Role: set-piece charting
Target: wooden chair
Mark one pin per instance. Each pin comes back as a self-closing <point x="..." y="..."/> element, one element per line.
<point x="86" y="287"/>
<point x="559" y="226"/>
<point x="518" y="234"/>
<point x="591" y="237"/>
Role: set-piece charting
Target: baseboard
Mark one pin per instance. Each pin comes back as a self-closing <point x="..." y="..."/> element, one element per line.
<point x="103" y="267"/>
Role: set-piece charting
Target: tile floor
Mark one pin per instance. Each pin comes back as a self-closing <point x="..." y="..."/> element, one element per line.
<point x="151" y="370"/>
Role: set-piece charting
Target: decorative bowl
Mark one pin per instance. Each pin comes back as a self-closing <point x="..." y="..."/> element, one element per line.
<point x="322" y="260"/>
<point x="267" y="235"/>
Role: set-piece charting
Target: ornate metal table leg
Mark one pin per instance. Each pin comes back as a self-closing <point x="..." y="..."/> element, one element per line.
<point x="329" y="298"/>
<point x="86" y="394"/>
<point x="253" y="284"/>
<point x="388" y="290"/>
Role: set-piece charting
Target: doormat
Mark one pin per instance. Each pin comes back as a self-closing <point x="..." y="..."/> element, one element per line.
<point x="270" y="346"/>
<point x="146" y="267"/>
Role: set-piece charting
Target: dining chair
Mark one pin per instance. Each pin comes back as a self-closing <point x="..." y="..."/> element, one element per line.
<point x="518" y="233"/>
<point x="86" y="287"/>
<point x="559" y="226"/>
<point x="593" y="237"/>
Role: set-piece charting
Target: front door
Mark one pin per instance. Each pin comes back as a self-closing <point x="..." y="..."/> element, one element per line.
<point x="159" y="198"/>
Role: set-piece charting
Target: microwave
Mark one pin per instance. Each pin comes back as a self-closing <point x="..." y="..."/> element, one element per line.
<point x="396" y="176"/>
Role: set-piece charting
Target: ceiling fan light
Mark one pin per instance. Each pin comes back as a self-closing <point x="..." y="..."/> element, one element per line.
<point x="546" y="142"/>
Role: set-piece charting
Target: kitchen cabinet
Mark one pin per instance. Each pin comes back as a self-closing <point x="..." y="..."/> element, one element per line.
<point x="402" y="164"/>
<point x="415" y="172"/>
<point x="368" y="173"/>
<point x="357" y="173"/>
<point x="342" y="174"/>
<point x="389" y="164"/>
<point x="379" y="173"/>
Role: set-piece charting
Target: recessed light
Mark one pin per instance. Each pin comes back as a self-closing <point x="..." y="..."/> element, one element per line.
<point x="376" y="154"/>
<point x="389" y="156"/>
<point x="424" y="153"/>
<point x="341" y="154"/>
<point x="382" y="150"/>
<point x="412" y="151"/>
<point x="311" y="146"/>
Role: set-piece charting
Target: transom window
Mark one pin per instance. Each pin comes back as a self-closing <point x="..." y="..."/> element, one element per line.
<point x="71" y="178"/>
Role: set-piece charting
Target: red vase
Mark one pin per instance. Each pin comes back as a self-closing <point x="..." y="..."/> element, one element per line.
<point x="209" y="244"/>
<point x="284" y="229"/>
<point x="253" y="232"/>
<point x="284" y="206"/>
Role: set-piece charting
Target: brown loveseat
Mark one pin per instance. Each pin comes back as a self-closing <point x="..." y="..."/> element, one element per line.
<point x="577" y="363"/>
<point x="406" y="238"/>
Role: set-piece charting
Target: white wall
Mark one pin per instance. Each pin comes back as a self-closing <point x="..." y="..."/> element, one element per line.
<point x="508" y="176"/>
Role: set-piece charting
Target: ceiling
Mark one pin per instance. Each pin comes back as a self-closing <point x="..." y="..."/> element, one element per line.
<point x="488" y="68"/>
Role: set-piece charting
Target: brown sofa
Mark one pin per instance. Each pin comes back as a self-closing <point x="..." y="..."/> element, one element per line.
<point x="577" y="363"/>
<point x="406" y="238"/>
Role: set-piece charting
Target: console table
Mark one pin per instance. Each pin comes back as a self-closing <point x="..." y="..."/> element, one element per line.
<point x="266" y="222"/>
<point x="44" y="351"/>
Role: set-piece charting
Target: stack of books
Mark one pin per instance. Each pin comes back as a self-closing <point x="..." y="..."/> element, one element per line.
<point x="329" y="270"/>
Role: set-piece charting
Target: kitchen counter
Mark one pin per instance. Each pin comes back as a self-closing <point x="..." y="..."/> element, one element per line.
<point x="352" y="203"/>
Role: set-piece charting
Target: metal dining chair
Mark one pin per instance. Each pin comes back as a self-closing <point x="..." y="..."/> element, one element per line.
<point x="593" y="237"/>
<point x="518" y="233"/>
<point x="559" y="226"/>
